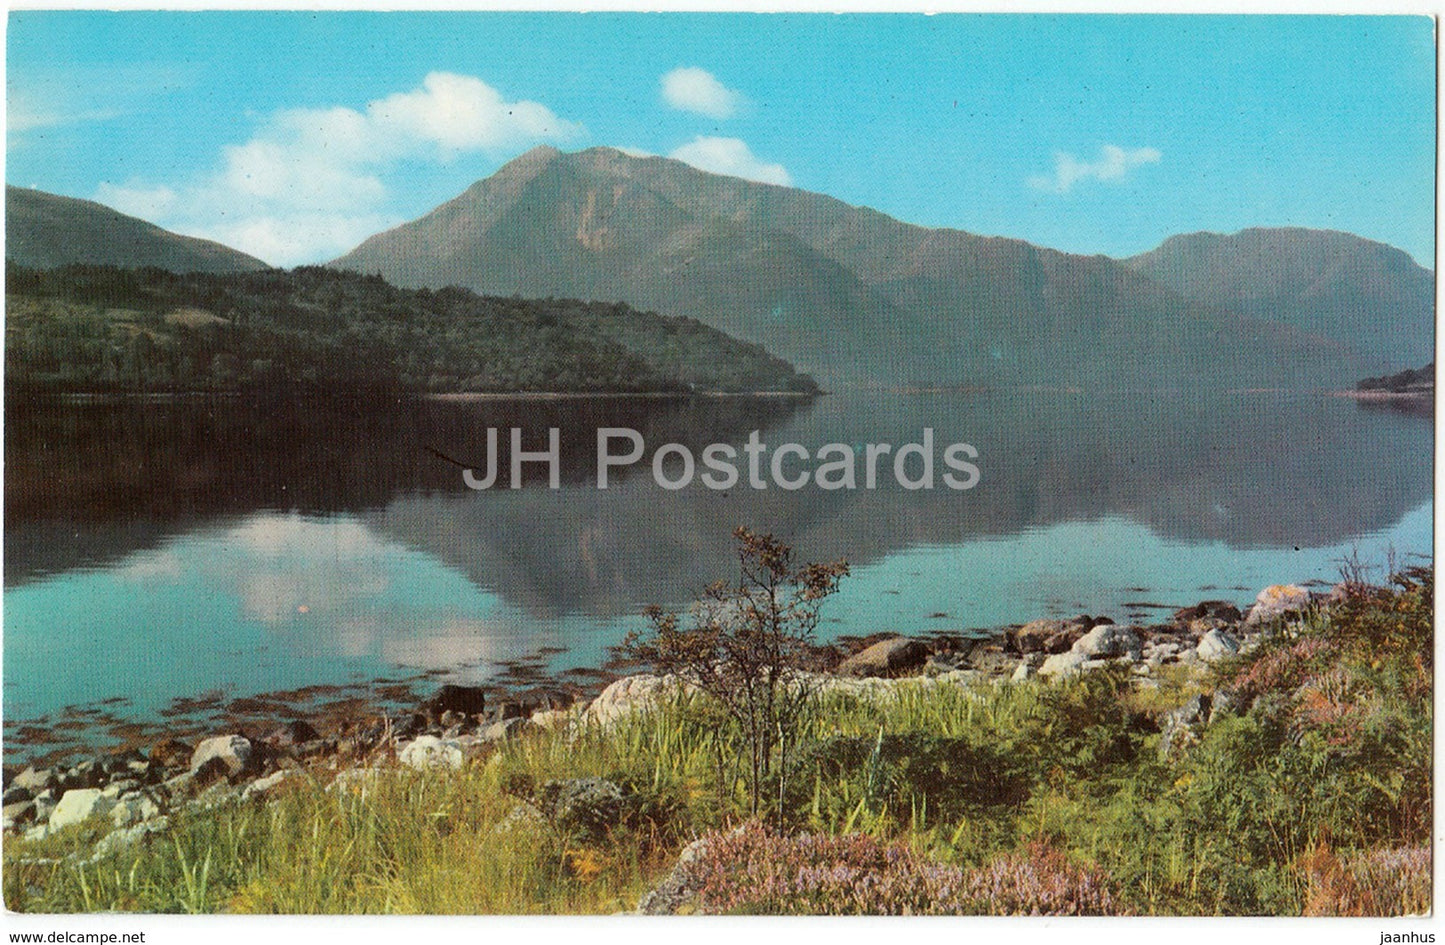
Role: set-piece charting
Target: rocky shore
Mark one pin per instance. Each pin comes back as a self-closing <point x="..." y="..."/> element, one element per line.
<point x="133" y="793"/>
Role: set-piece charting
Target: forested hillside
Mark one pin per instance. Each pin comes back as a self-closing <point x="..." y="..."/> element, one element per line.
<point x="100" y="328"/>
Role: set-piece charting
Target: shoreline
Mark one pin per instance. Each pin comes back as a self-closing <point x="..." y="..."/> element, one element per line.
<point x="294" y="729"/>
<point x="1387" y="395"/>
<point x="90" y="398"/>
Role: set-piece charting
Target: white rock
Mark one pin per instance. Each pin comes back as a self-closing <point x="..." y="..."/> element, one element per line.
<point x="1277" y="600"/>
<point x="427" y="752"/>
<point x="233" y="750"/>
<point x="44" y="804"/>
<point x="119" y="839"/>
<point x="1217" y="644"/>
<point x="78" y="805"/>
<point x="555" y="718"/>
<point x="1106" y="641"/>
<point x="261" y="786"/>
<point x="132" y="809"/>
<point x="631" y="693"/>
<point x="505" y="730"/>
<point x="1062" y="665"/>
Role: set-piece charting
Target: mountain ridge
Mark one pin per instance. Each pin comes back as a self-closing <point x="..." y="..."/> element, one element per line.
<point x="878" y="301"/>
<point x="47" y="231"/>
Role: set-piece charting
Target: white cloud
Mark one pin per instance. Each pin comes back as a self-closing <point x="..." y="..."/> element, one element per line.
<point x="732" y="157"/>
<point x="1113" y="164"/>
<point x="311" y="183"/>
<point x="691" y="89"/>
<point x="22" y="114"/>
<point x="50" y="96"/>
<point x="148" y="203"/>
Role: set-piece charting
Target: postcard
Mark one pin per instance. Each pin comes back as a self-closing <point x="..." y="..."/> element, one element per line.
<point x="708" y="464"/>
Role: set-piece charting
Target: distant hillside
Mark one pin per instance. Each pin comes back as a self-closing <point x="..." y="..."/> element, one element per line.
<point x="1329" y="283"/>
<point x="846" y="293"/>
<point x="45" y="231"/>
<point x="1408" y="381"/>
<point x="94" y="328"/>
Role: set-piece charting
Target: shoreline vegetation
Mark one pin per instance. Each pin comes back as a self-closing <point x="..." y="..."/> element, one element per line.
<point x="1270" y="761"/>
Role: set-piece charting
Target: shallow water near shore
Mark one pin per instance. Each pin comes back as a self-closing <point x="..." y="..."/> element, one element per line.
<point x="158" y="552"/>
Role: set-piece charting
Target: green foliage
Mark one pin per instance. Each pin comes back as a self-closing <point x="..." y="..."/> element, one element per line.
<point x="97" y="328"/>
<point x="745" y="645"/>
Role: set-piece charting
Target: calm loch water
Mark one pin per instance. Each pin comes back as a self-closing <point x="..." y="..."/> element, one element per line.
<point x="156" y="552"/>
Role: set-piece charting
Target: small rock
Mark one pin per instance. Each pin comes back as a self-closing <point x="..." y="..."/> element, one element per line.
<point x="17" y="814"/>
<point x="631" y="693"/>
<point x="522" y="818"/>
<point x="535" y="700"/>
<point x="1215" y="645"/>
<point x="116" y="788"/>
<point x="1107" y="641"/>
<point x="1222" y="703"/>
<point x="86" y="774"/>
<point x="678" y="887"/>
<point x="34" y="780"/>
<point x="1031" y="637"/>
<point x="505" y="730"/>
<point x="232" y="751"/>
<point x="181" y="785"/>
<point x="452" y="719"/>
<point x="262" y="786"/>
<point x="171" y="753"/>
<point x="1221" y="610"/>
<point x="1199" y="626"/>
<point x="941" y="664"/>
<point x="16" y="794"/>
<point x="552" y="718"/>
<point x="134" y="808"/>
<point x="1275" y="601"/>
<point x="79" y="804"/>
<point x="468" y="700"/>
<point x="886" y="657"/>
<point x="1063" y="665"/>
<point x="427" y="752"/>
<point x="1181" y="727"/>
<point x="119" y="839"/>
<point x="293" y="733"/>
<point x="590" y="806"/>
<point x="1064" y="640"/>
<point x="314" y="749"/>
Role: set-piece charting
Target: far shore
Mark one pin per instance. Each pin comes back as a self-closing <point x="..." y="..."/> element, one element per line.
<point x="167" y="397"/>
<point x="483" y="397"/>
<point x="1387" y="395"/>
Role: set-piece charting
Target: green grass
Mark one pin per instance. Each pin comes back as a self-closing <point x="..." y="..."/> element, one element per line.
<point x="1265" y="814"/>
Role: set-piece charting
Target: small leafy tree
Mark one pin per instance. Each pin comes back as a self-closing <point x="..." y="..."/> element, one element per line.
<point x="745" y="643"/>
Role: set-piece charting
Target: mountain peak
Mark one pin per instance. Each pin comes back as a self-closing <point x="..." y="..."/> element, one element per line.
<point x="853" y="295"/>
<point x="1327" y="282"/>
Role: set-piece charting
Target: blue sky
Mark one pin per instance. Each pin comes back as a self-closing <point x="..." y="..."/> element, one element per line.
<point x="294" y="135"/>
